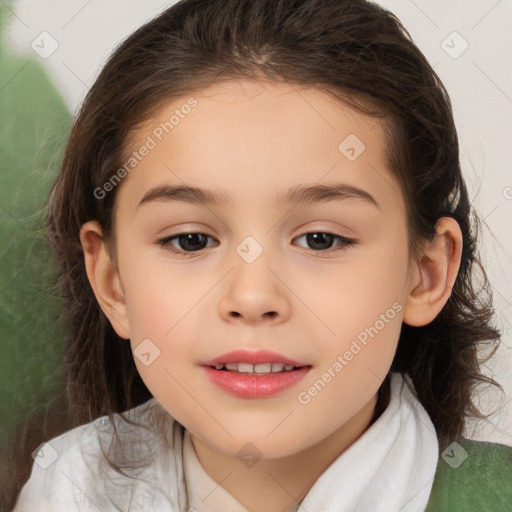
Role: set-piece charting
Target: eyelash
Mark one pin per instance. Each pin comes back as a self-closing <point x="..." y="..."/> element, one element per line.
<point x="165" y="243"/>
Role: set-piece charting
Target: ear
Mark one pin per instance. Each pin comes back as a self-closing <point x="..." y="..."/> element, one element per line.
<point x="104" y="278"/>
<point x="431" y="280"/>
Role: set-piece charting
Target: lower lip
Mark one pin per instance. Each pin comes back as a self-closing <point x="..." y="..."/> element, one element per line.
<point x="247" y="385"/>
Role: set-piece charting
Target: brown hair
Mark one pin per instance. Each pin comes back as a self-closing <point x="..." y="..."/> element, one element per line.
<point x="352" y="49"/>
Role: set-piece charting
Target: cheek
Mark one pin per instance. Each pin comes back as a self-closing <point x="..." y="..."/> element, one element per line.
<point x="158" y="294"/>
<point x="162" y="312"/>
<point x="365" y="286"/>
<point x="364" y="316"/>
<point x="164" y="305"/>
<point x="364" y="308"/>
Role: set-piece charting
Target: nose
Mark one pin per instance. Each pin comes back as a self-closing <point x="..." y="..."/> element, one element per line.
<point x="255" y="293"/>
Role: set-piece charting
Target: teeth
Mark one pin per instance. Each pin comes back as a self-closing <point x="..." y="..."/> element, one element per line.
<point x="263" y="368"/>
<point x="245" y="368"/>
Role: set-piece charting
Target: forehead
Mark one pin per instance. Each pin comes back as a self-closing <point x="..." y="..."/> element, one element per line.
<point x="255" y="138"/>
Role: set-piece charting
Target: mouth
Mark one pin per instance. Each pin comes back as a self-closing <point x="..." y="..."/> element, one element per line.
<point x="256" y="369"/>
<point x="257" y="362"/>
<point x="248" y="374"/>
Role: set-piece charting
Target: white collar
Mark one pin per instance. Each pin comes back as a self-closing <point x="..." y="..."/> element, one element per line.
<point x="390" y="467"/>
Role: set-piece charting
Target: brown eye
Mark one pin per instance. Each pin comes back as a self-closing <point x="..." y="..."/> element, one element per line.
<point x="322" y="240"/>
<point x="192" y="241"/>
<point x="185" y="243"/>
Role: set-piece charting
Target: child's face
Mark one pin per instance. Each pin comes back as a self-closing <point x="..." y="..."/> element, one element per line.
<point x="258" y="282"/>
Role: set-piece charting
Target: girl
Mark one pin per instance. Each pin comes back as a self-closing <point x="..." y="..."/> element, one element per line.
<point x="266" y="248"/>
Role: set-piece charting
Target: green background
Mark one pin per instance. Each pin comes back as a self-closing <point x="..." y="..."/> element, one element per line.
<point x="34" y="125"/>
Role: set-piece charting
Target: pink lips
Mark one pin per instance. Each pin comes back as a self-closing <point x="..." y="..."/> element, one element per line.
<point x="246" y="356"/>
<point x="247" y="385"/>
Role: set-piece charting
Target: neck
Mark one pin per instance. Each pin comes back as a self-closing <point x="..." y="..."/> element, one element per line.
<point x="276" y="485"/>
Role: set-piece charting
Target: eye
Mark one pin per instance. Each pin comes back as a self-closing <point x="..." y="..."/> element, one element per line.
<point x="320" y="241"/>
<point x="188" y="243"/>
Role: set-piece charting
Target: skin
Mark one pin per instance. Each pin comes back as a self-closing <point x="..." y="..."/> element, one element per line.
<point x="252" y="140"/>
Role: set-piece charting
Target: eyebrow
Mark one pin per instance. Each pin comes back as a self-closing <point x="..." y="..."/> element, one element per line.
<point x="309" y="194"/>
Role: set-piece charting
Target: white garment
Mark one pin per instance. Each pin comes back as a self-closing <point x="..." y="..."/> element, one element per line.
<point x="204" y="493"/>
<point x="390" y="468"/>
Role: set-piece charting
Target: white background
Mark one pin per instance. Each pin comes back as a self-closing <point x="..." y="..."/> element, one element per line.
<point x="479" y="82"/>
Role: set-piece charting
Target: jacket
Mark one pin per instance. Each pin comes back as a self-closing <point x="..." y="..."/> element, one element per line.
<point x="473" y="476"/>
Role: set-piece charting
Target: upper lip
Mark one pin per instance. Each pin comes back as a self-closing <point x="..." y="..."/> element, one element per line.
<point x="252" y="357"/>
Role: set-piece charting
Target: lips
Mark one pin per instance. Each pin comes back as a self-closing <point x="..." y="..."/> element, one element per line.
<point x="258" y="369"/>
<point x="253" y="358"/>
<point x="248" y="374"/>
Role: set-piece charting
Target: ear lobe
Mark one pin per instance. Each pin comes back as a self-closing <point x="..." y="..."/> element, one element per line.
<point x="432" y="279"/>
<point x="104" y="278"/>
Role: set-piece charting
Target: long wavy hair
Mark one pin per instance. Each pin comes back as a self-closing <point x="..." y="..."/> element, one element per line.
<point x="354" y="50"/>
